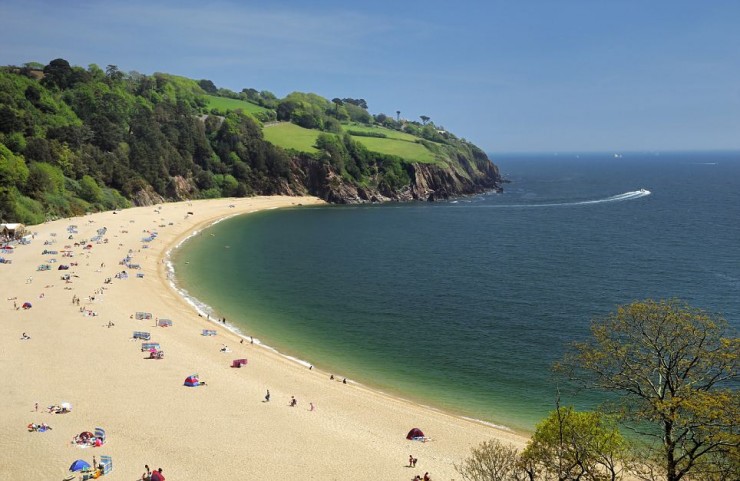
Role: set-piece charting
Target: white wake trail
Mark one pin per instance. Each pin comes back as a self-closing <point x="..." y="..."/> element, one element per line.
<point x="636" y="194"/>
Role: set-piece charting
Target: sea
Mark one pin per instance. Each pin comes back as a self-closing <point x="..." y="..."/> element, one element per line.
<point x="465" y="305"/>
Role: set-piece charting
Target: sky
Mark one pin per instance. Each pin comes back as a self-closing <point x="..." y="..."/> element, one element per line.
<point x="510" y="76"/>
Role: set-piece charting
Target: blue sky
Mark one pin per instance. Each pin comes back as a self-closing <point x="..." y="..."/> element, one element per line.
<point x="511" y="76"/>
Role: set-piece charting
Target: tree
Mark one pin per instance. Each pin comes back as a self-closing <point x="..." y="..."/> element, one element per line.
<point x="490" y="461"/>
<point x="90" y="190"/>
<point x="58" y="74"/>
<point x="337" y="103"/>
<point x="424" y="119"/>
<point x="573" y="445"/>
<point x="112" y="73"/>
<point x="672" y="368"/>
<point x="208" y="86"/>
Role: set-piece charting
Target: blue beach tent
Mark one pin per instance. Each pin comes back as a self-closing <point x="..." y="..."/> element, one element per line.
<point x="192" y="381"/>
<point x="79" y="465"/>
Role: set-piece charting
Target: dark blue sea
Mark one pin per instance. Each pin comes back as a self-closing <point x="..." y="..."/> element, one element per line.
<point x="464" y="305"/>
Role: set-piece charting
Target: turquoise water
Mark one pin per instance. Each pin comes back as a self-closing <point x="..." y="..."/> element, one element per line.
<point x="465" y="305"/>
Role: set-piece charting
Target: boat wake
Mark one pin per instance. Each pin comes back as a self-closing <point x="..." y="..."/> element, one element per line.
<point x="636" y="194"/>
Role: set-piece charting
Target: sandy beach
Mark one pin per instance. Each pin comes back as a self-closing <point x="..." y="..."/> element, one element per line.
<point x="85" y="354"/>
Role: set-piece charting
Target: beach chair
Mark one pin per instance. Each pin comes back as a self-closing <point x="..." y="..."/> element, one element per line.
<point x="149" y="346"/>
<point x="144" y="336"/>
<point x="143" y="315"/>
<point x="100" y="434"/>
<point x="208" y="332"/>
<point x="164" y="323"/>
<point x="238" y="363"/>
<point x="106" y="463"/>
<point x="139" y="275"/>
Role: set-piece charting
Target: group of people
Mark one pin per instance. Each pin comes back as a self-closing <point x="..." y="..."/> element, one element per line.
<point x="412" y="464"/>
<point x="39" y="427"/>
<point x="149" y="475"/>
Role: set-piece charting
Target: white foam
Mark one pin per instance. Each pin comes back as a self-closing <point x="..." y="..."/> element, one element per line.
<point x="632" y="195"/>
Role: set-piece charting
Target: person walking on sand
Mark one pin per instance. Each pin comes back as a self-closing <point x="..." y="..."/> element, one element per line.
<point x="312" y="407"/>
<point x="267" y="396"/>
<point x="411" y="461"/>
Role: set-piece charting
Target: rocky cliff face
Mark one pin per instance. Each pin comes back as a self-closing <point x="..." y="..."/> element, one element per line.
<point x="429" y="182"/>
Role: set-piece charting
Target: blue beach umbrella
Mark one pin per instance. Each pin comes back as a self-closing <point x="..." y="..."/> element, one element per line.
<point x="79" y="465"/>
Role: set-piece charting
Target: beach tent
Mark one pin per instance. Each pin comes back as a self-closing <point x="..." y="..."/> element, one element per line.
<point x="238" y="362"/>
<point x="26" y="305"/>
<point x="192" y="380"/>
<point x="79" y="465"/>
<point x="415" y="433"/>
<point x="164" y="323"/>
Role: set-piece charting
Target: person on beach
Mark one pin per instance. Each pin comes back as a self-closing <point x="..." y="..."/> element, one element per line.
<point x="311" y="407"/>
<point x="267" y="396"/>
<point x="293" y="401"/>
<point x="413" y="462"/>
<point x="147" y="476"/>
<point x="157" y="475"/>
<point x="426" y="477"/>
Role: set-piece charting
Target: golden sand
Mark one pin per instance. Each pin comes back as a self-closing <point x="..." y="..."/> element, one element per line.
<point x="223" y="430"/>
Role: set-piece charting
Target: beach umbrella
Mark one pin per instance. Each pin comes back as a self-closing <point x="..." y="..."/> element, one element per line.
<point x="79" y="465"/>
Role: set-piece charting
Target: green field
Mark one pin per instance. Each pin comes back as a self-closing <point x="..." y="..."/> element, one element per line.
<point x="291" y="136"/>
<point x="223" y="103"/>
<point x="390" y="134"/>
<point x="409" y="151"/>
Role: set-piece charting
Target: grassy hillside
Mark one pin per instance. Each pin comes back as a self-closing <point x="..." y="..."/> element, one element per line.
<point x="226" y="104"/>
<point x="291" y="136"/>
<point x="407" y="150"/>
<point x="374" y="129"/>
<point x="74" y="140"/>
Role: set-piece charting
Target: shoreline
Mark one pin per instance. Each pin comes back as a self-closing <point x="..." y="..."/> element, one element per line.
<point x="70" y="358"/>
<point x="204" y="309"/>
